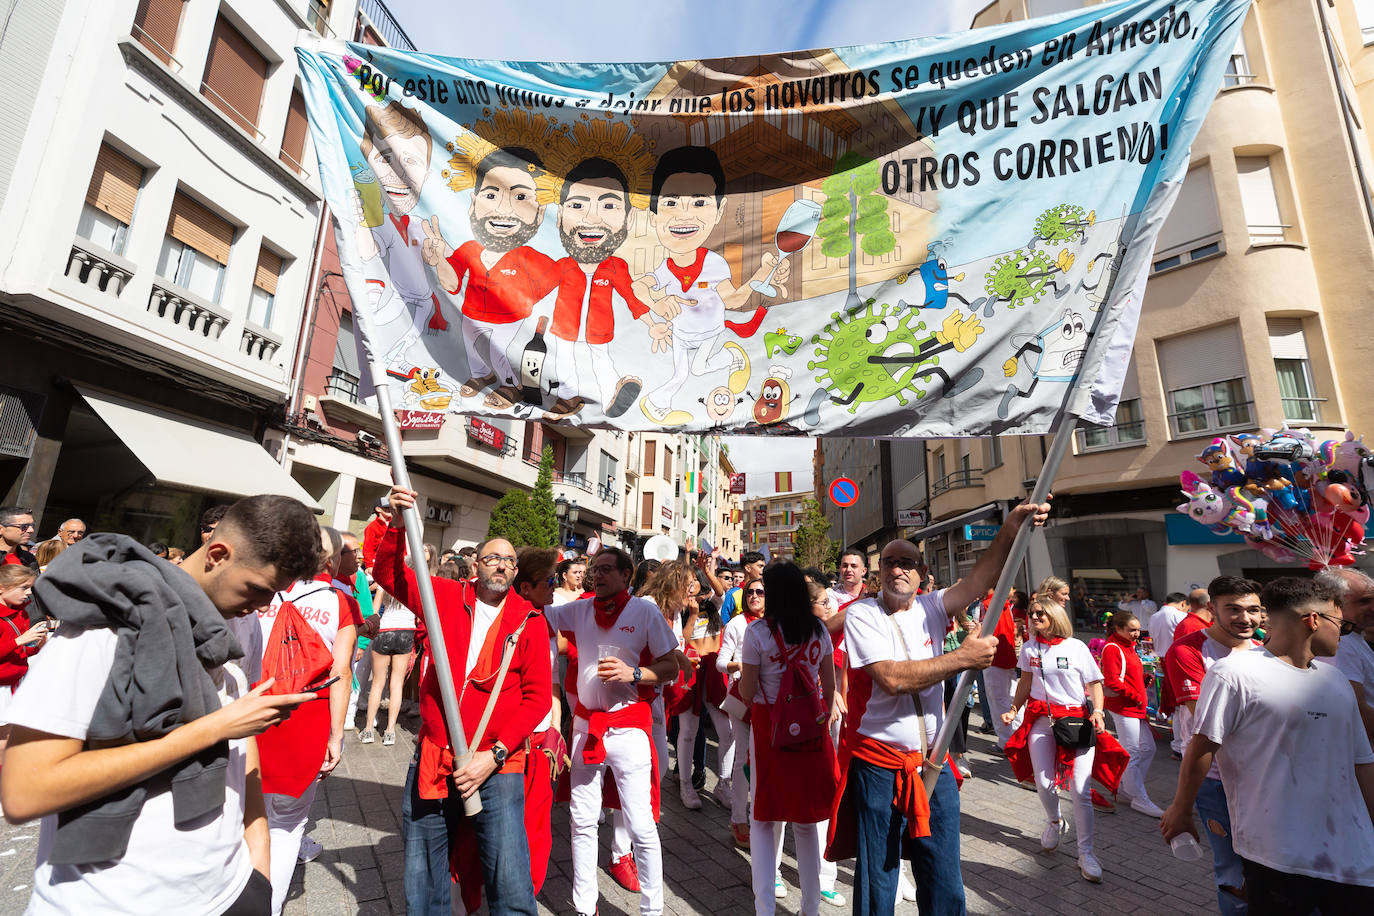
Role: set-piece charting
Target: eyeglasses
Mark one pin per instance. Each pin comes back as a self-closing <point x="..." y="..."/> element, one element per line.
<point x="206" y="529"/>
<point x="27" y="526"/>
<point x="493" y="559"/>
<point x="906" y="563"/>
<point x="1347" y="626"/>
<point x="754" y="591"/>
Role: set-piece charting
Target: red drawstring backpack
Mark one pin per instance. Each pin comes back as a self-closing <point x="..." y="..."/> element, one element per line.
<point x="291" y="751"/>
<point x="797" y="711"/>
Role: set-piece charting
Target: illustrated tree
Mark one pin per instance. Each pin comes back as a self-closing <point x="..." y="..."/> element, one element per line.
<point x="811" y="542"/>
<point x="528" y="519"/>
<point x="854" y="216"/>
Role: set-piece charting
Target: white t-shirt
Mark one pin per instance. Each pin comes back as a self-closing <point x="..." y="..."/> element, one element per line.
<point x="401" y="254"/>
<point x="869" y="638"/>
<point x="483" y="616"/>
<point x="1355" y="658"/>
<point x="760" y="648"/>
<point x="706" y="319"/>
<point x="732" y="643"/>
<point x="1142" y="608"/>
<point x="395" y="615"/>
<point x="318" y="603"/>
<point x="166" y="869"/>
<point x="1290" y="740"/>
<point x="640" y="626"/>
<point x="1060" y="674"/>
<point x="837" y="597"/>
<point x="1161" y="625"/>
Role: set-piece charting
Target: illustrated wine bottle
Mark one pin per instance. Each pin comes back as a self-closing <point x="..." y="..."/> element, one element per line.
<point x="532" y="366"/>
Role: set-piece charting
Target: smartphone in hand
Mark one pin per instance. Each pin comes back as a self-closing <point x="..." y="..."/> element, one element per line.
<point x="316" y="688"/>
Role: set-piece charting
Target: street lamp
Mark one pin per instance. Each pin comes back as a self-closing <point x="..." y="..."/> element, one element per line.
<point x="573" y="513"/>
<point x="560" y="510"/>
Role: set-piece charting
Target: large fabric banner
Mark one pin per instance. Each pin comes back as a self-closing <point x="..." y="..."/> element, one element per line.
<point x="933" y="237"/>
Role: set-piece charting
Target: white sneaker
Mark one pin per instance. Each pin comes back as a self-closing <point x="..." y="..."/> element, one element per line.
<point x="1090" y="868"/>
<point x="724" y="793"/>
<point x="834" y="898"/>
<point x="779" y="886"/>
<point x="1146" y="807"/>
<point x="905" y="888"/>
<point x="1049" y="838"/>
<point x="964" y="771"/>
<point x="690" y="799"/>
<point x="310" y="850"/>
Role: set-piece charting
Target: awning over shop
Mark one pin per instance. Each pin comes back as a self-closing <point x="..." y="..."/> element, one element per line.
<point x="991" y="511"/>
<point x="182" y="452"/>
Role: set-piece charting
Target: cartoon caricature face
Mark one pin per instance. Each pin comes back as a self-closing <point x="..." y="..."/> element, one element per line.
<point x="531" y="368"/>
<point x="687" y="211"/>
<point x="593" y="220"/>
<point x="1063" y="342"/>
<point x="400" y="164"/>
<point x="505" y="213"/>
<point x="720" y="404"/>
<point x="773" y="400"/>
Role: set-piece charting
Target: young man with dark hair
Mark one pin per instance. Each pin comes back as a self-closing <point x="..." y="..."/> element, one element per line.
<point x="209" y="519"/>
<point x="853" y="567"/>
<point x="1234" y="608"/>
<point x="1299" y="772"/>
<point x="1164" y="621"/>
<point x="16" y="529"/>
<point x="478" y="619"/>
<point x="135" y="634"/>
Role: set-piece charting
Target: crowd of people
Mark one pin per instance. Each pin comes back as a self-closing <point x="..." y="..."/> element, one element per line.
<point x="170" y="718"/>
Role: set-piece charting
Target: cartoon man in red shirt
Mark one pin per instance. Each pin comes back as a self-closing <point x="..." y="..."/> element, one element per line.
<point x="505" y="277"/>
<point x="687" y="203"/>
<point x="593" y="222"/>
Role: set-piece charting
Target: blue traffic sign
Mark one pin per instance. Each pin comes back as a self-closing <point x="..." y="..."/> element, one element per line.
<point x="844" y="492"/>
<point x="980" y="532"/>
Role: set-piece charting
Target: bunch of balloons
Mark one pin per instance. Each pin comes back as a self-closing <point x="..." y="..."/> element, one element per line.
<point x="1294" y="499"/>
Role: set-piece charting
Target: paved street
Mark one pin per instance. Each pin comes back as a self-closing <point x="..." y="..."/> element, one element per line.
<point x="357" y="818"/>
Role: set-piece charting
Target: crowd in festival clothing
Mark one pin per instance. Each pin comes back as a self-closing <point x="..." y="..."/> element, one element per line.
<point x="172" y="717"/>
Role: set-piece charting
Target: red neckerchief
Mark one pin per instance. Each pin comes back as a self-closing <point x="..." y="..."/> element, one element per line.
<point x="751" y="617"/>
<point x="402" y="224"/>
<point x="1051" y="641"/>
<point x="688" y="275"/>
<point x="608" y="609"/>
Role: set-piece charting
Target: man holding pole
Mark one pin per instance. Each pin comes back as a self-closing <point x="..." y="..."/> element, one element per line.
<point x="498" y="655"/>
<point x="896" y="703"/>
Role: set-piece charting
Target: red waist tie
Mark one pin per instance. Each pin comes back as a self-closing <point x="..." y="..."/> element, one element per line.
<point x="1109" y="759"/>
<point x="910" y="795"/>
<point x="636" y="715"/>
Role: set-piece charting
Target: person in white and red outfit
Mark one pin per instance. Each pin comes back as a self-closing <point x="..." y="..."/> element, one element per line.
<point x="306" y="748"/>
<point x="729" y="661"/>
<point x="624" y="647"/>
<point x="18" y="638"/>
<point x="1058" y="674"/>
<point x="1123" y="685"/>
<point x="853" y="565"/>
<point x="793" y="784"/>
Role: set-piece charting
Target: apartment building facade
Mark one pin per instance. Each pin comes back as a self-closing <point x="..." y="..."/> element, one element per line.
<point x="161" y="212"/>
<point x="771" y="521"/>
<point x="679" y="486"/>
<point x="1257" y="289"/>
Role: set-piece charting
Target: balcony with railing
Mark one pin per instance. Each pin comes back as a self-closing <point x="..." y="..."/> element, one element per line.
<point x="93" y="266"/>
<point x="955" y="480"/>
<point x="385" y="25"/>
<point x="342" y="403"/>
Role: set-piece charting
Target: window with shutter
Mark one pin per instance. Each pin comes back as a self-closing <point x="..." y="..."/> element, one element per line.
<point x="1294" y="369"/>
<point x="196" y="248"/>
<point x="235" y="74"/>
<point x="293" y="137"/>
<point x="345" y="376"/>
<point x="1262" y="215"/>
<point x="1205" y="378"/>
<point x="650" y="454"/>
<point x="264" y="292"/>
<point x="646" y="511"/>
<point x="110" y="199"/>
<point x="1192" y="230"/>
<point x="156" y="24"/>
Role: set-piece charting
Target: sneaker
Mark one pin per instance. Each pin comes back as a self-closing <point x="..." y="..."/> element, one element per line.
<point x="964" y="771"/>
<point x="724" y="793"/>
<point x="624" y="873"/>
<point x="690" y="799"/>
<point x="1102" y="803"/>
<point x="779" y="886"/>
<point x="310" y="850"/>
<point x="834" y="898"/>
<point x="740" y="832"/>
<point x="367" y="736"/>
<point x="1089" y="867"/>
<point x="388" y="739"/>
<point x="1049" y="838"/>
<point x="906" y="889"/>
<point x="1146" y="807"/>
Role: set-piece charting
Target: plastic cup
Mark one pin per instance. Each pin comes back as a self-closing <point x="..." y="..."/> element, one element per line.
<point x="1186" y="849"/>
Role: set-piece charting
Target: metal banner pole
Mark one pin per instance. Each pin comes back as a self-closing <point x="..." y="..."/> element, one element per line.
<point x="415" y="540"/>
<point x="1059" y="447"/>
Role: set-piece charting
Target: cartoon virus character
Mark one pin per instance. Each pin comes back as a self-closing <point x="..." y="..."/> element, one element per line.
<point x="1063" y="223"/>
<point x="935" y="277"/>
<point x="780" y="340"/>
<point x="871" y="355"/>
<point x="1052" y="355"/>
<point x="720" y="403"/>
<point x="1022" y="276"/>
<point x="775" y="398"/>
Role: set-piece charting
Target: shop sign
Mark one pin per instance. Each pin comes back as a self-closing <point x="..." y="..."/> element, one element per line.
<point x="486" y="434"/>
<point x="440" y="513"/>
<point x="420" y="419"/>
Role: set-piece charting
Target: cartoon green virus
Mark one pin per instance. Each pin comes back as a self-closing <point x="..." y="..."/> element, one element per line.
<point x="773" y="341"/>
<point x="1023" y="276"/>
<point x="843" y="357"/>
<point x="1063" y="223"/>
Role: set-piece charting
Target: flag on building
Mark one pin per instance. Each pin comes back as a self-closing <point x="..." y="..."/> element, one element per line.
<point x="694" y="482"/>
<point x="737" y="484"/>
<point x="735" y="516"/>
<point x="787" y="517"/>
<point x="782" y="481"/>
<point x="760" y="516"/>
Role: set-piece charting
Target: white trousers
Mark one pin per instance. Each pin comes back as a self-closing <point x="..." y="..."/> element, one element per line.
<point x="362" y="679"/>
<point x="1043" y="748"/>
<point x="628" y="759"/>
<point x="497" y="346"/>
<point x="569" y="356"/>
<point x="1139" y="742"/>
<point x="286" y="817"/>
<point x="1183" y="729"/>
<point x="661" y="736"/>
<point x="739" y="805"/>
<point x="765" y="852"/>
<point x="687" y="725"/>
<point x="1000" y="682"/>
<point x="699" y="356"/>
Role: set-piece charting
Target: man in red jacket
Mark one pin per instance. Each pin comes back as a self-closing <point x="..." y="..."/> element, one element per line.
<point x="372" y="534"/>
<point x="477" y="618"/>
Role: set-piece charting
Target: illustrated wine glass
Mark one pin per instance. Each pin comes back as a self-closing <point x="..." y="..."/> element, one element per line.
<point x="796" y="229"/>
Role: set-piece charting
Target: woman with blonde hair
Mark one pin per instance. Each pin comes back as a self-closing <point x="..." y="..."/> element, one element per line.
<point x="48" y="551"/>
<point x="1061" y="742"/>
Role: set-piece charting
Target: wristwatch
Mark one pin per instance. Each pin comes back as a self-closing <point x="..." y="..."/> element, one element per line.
<point x="499" y="754"/>
<point x="636" y="674"/>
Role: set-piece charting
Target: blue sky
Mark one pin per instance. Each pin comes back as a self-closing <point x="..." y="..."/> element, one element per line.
<point x="656" y="30"/>
<point x="651" y="30"/>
